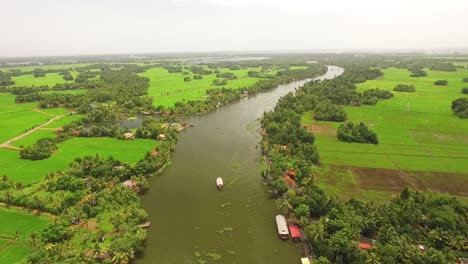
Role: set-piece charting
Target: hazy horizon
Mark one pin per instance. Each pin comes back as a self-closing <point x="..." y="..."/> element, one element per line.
<point x="57" y="28"/>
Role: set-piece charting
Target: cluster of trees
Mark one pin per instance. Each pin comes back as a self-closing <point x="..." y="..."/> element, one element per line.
<point x="441" y="82"/>
<point x="350" y="132"/>
<point x="200" y="70"/>
<point x="219" y="82"/>
<point x="443" y="66"/>
<point x="226" y="75"/>
<point x="327" y="111"/>
<point x="465" y="80"/>
<point x="39" y="73"/>
<point x="404" y="88"/>
<point x="5" y="79"/>
<point x="464" y="90"/>
<point x="437" y="222"/>
<point x="187" y="79"/>
<point x="173" y="68"/>
<point x="417" y="72"/>
<point x="84" y="76"/>
<point x="66" y="75"/>
<point x="197" y="77"/>
<point x="42" y="149"/>
<point x="371" y="96"/>
<point x="460" y="107"/>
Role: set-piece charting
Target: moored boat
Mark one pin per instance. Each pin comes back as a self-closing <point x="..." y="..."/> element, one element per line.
<point x="283" y="231"/>
<point x="219" y="183"/>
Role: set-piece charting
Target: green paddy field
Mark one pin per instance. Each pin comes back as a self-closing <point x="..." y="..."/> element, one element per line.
<point x="421" y="143"/>
<point x="15" y="229"/>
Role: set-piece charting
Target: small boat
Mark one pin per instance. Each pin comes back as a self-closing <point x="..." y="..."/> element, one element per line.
<point x="283" y="231"/>
<point x="219" y="183"/>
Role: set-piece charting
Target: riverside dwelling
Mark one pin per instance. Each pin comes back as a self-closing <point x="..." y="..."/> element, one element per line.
<point x="128" y="136"/>
<point x="130" y="184"/>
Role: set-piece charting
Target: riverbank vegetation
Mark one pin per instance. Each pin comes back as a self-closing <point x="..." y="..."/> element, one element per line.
<point x="406" y="229"/>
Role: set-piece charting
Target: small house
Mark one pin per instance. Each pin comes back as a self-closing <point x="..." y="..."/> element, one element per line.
<point x="128" y="136"/>
<point x="154" y="153"/>
<point x="305" y="261"/>
<point x="365" y="243"/>
<point x="119" y="167"/>
<point x="422" y="247"/>
<point x="462" y="260"/>
<point x="161" y="137"/>
<point x="130" y="184"/>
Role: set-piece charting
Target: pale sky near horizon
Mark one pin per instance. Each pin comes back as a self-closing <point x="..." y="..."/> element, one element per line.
<point x="75" y="27"/>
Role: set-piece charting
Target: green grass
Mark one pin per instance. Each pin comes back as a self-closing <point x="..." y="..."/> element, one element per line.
<point x="29" y="171"/>
<point x="162" y="83"/>
<point x="428" y="137"/>
<point x="63" y="121"/>
<point x="24" y="222"/>
<point x="50" y="79"/>
<point x="35" y="136"/>
<point x="14" y="254"/>
<point x="19" y="118"/>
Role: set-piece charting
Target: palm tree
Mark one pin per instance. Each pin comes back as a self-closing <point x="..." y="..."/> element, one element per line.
<point x="283" y="206"/>
<point x="122" y="257"/>
<point x="373" y="259"/>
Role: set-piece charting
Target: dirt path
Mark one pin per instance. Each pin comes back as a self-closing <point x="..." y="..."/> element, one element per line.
<point x="7" y="143"/>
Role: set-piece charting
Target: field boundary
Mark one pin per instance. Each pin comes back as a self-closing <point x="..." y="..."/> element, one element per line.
<point x="7" y="143"/>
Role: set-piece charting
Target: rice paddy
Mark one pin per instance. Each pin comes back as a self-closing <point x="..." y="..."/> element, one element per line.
<point x="418" y="135"/>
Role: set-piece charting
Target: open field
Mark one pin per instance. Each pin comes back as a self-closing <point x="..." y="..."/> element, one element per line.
<point x="32" y="171"/>
<point x="18" y="118"/>
<point x="425" y="147"/>
<point x="50" y="79"/>
<point x="168" y="88"/>
<point x="13" y="248"/>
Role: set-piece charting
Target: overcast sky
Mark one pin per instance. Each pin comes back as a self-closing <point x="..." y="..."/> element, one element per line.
<point x="68" y="27"/>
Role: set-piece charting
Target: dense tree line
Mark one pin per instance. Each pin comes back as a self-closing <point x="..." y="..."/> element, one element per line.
<point x="443" y="66"/>
<point x="226" y="75"/>
<point x="460" y="107"/>
<point x="437" y="222"/>
<point x="404" y="88"/>
<point x="441" y="82"/>
<point x="5" y="79"/>
<point x="66" y="75"/>
<point x="350" y="132"/>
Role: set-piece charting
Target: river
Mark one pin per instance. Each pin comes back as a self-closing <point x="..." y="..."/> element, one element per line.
<point x="190" y="219"/>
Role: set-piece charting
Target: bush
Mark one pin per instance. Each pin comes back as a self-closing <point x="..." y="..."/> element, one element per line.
<point x="460" y="107"/>
<point x="416" y="72"/>
<point x="465" y="80"/>
<point x="197" y="77"/>
<point x="441" y="82"/>
<point x="405" y="88"/>
<point x="42" y="149"/>
<point x="464" y="90"/>
<point x="187" y="79"/>
<point x="349" y="132"/>
<point x="219" y="82"/>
